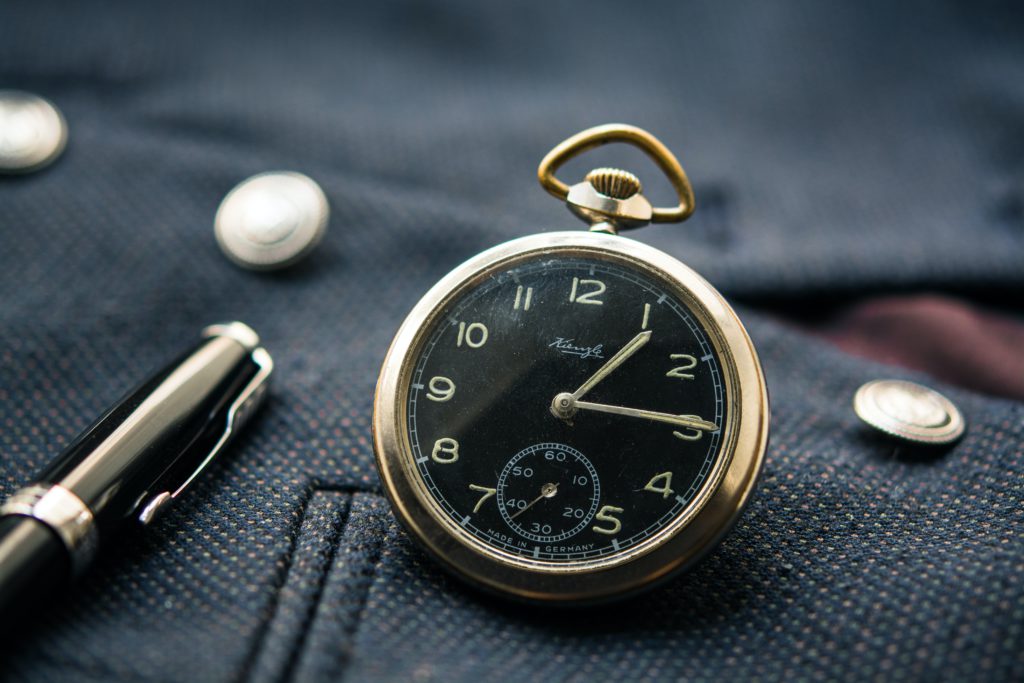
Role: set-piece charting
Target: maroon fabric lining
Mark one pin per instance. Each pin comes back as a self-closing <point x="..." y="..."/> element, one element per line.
<point x="953" y="340"/>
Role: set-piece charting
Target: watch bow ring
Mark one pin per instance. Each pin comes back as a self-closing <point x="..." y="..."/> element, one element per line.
<point x="573" y="417"/>
<point x="610" y="198"/>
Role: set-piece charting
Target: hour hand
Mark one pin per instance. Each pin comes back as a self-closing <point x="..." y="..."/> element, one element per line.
<point x="631" y="347"/>
<point x="688" y="421"/>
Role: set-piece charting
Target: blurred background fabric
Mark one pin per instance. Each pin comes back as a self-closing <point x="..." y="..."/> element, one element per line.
<point x="840" y="152"/>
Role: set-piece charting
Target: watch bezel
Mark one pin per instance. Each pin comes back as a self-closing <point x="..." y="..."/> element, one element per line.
<point x="681" y="542"/>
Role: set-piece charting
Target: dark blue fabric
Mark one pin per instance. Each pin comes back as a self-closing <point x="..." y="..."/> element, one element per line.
<point x="836" y="148"/>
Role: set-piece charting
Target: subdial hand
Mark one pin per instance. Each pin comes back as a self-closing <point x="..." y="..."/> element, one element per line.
<point x="562" y="404"/>
<point x="546" y="491"/>
<point x="690" y="421"/>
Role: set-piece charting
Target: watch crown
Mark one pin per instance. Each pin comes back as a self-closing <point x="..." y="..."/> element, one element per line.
<point x="614" y="182"/>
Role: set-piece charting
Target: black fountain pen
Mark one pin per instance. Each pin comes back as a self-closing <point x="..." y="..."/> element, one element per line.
<point x="129" y="464"/>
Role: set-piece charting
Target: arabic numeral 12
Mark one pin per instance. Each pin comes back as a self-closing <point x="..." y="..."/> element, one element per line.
<point x="577" y="295"/>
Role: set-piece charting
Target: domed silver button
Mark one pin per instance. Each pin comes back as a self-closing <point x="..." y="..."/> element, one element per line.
<point x="271" y="220"/>
<point x="909" y="411"/>
<point x="32" y="132"/>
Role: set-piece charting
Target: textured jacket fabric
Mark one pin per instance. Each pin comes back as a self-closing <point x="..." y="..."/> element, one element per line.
<point x="836" y="149"/>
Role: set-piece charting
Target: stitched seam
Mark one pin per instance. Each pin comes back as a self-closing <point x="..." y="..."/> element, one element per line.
<point x="245" y="673"/>
<point x="313" y="606"/>
<point x="370" y="572"/>
<point x="247" y="669"/>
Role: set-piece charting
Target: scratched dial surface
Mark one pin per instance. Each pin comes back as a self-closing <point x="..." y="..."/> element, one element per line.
<point x="527" y="440"/>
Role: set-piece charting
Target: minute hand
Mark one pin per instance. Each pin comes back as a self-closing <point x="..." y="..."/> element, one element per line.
<point x="615" y="361"/>
<point x="690" y="421"/>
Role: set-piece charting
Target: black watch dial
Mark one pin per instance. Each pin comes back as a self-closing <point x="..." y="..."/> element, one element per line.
<point x="566" y="409"/>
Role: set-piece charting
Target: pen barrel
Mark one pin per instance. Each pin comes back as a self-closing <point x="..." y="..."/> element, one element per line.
<point x="138" y="456"/>
<point x="152" y="440"/>
<point x="34" y="564"/>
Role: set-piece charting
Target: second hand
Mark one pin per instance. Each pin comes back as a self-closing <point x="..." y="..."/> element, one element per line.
<point x="546" y="491"/>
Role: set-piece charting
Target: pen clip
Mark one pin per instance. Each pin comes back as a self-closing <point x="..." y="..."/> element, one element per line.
<point x="238" y="413"/>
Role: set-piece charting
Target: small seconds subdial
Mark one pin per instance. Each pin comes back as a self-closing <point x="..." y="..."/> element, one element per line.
<point x="548" y="492"/>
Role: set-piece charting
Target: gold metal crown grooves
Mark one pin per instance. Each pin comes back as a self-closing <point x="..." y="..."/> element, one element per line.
<point x="614" y="182"/>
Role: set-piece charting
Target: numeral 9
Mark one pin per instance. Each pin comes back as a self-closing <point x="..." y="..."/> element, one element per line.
<point x="441" y="389"/>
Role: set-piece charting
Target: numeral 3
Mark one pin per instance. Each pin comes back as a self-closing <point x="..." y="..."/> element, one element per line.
<point x="690" y="434"/>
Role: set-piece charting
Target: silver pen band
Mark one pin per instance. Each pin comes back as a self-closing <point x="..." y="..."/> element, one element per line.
<point x="62" y="511"/>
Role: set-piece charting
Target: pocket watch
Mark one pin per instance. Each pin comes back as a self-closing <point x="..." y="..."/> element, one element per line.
<point x="571" y="417"/>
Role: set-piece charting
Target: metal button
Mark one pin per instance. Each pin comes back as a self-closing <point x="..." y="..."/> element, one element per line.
<point x="32" y="132"/>
<point x="909" y="411"/>
<point x="271" y="220"/>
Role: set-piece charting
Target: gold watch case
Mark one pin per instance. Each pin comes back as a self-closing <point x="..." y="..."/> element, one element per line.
<point x="680" y="543"/>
